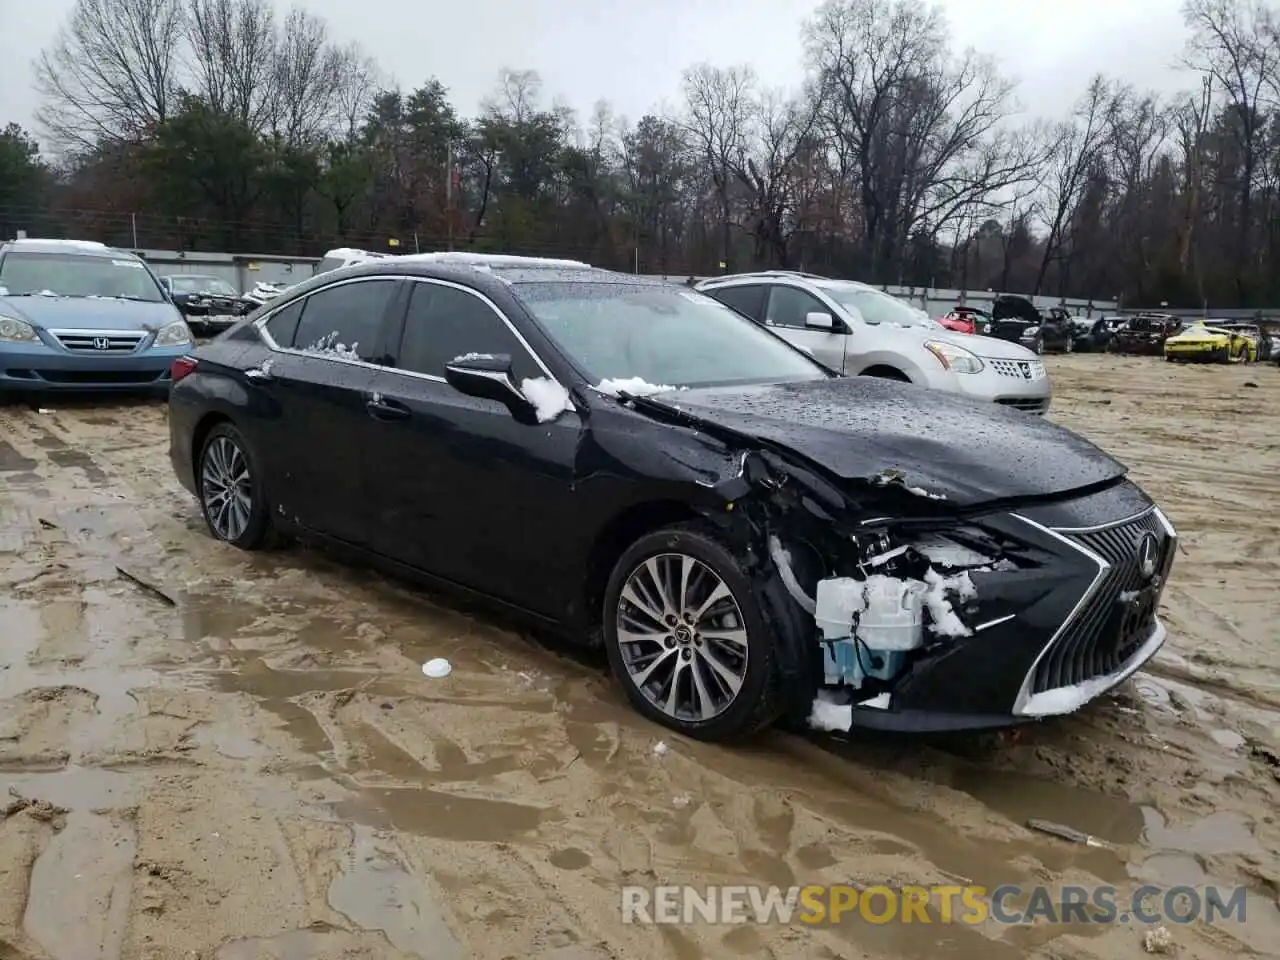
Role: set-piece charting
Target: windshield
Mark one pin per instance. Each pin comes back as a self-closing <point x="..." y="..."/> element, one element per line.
<point x="72" y="275"/>
<point x="202" y="285"/>
<point x="876" y="307"/>
<point x="662" y="335"/>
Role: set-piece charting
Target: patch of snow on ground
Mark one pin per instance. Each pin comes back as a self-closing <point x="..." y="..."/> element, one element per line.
<point x="827" y="715"/>
<point x="634" y="386"/>
<point x="549" y="399"/>
<point x="472" y="356"/>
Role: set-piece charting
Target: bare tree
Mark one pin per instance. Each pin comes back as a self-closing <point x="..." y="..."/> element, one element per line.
<point x="1234" y="43"/>
<point x="357" y="85"/>
<point x="1077" y="149"/>
<point x="720" y="104"/>
<point x="918" y="134"/>
<point x="233" y="53"/>
<point x="112" y="72"/>
<point x="308" y="76"/>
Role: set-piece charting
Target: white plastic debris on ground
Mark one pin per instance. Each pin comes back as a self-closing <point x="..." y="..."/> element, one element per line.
<point x="549" y="398"/>
<point x="829" y="715"/>
<point x="437" y="668"/>
<point x="634" y="386"/>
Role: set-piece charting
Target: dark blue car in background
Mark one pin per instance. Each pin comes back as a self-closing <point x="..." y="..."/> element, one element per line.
<point x="80" y="316"/>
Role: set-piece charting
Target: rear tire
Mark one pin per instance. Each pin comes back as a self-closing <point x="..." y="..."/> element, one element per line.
<point x="232" y="495"/>
<point x="700" y="658"/>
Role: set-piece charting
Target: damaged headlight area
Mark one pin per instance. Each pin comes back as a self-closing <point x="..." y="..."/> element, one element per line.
<point x="894" y="595"/>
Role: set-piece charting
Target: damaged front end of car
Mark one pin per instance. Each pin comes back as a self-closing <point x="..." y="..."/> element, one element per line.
<point x="894" y="608"/>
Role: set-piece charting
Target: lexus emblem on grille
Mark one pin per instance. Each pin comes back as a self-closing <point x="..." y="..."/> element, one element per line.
<point x="1148" y="555"/>
<point x="101" y="343"/>
<point x="1025" y="367"/>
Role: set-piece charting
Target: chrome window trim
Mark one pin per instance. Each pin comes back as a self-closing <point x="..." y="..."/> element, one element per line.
<point x="261" y="326"/>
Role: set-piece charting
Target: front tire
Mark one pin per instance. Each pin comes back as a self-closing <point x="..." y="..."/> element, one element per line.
<point x="232" y="495"/>
<point x="687" y="638"/>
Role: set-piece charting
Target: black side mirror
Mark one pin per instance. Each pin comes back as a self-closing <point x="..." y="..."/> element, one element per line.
<point x="489" y="376"/>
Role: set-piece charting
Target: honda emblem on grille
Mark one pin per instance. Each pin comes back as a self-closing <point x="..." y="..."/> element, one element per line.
<point x="101" y="343"/>
<point x="1025" y="367"/>
<point x="1148" y="555"/>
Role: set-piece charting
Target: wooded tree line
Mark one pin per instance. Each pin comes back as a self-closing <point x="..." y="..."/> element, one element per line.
<point x="219" y="124"/>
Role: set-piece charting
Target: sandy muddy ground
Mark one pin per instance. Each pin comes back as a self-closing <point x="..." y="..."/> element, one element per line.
<point x="258" y="769"/>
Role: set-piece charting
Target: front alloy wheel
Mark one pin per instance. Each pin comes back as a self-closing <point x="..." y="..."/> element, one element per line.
<point x="230" y="493"/>
<point x="686" y="637"/>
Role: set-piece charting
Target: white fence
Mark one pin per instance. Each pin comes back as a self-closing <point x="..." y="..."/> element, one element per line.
<point x="243" y="270"/>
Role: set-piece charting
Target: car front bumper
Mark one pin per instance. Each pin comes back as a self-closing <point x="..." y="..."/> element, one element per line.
<point x="1054" y="638"/>
<point x="1202" y="352"/>
<point x="39" y="368"/>
<point x="1021" y="384"/>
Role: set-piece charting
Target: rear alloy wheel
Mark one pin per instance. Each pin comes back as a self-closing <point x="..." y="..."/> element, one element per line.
<point x="231" y="494"/>
<point x="686" y="636"/>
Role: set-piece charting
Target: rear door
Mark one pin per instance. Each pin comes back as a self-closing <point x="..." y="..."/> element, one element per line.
<point x="458" y="487"/>
<point x="747" y="299"/>
<point x="313" y="394"/>
<point x="784" y="314"/>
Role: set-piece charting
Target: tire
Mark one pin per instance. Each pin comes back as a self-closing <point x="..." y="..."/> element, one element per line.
<point x="1038" y="349"/>
<point x="225" y="455"/>
<point x="691" y="554"/>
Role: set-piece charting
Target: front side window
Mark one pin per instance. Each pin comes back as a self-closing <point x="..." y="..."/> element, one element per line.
<point x="72" y="275"/>
<point x="660" y="334"/>
<point x="346" y="318"/>
<point x="788" y="306"/>
<point x="443" y="323"/>
<point x="283" y="325"/>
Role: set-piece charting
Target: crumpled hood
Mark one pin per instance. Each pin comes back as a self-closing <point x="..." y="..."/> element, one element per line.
<point x="89" y="313"/>
<point x="858" y="427"/>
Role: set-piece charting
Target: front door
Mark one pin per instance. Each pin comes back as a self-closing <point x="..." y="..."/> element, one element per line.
<point x="785" y="315"/>
<point x="460" y="489"/>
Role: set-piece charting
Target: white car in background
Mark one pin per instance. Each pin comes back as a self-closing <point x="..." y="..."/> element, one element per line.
<point x="861" y="331"/>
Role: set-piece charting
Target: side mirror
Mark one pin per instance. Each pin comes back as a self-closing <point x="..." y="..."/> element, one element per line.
<point x="489" y="377"/>
<point x="819" y="321"/>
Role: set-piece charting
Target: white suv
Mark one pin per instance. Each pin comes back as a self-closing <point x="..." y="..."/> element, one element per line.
<point x="858" y="330"/>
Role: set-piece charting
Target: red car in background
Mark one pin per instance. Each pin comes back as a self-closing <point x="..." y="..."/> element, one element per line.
<point x="964" y="319"/>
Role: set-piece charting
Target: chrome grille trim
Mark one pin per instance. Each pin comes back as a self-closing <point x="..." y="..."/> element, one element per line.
<point x="90" y="341"/>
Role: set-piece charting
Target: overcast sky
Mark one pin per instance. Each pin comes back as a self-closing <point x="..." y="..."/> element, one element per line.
<point x="632" y="54"/>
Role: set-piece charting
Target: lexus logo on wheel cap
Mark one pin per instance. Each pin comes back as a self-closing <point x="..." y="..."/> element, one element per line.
<point x="101" y="343"/>
<point x="1148" y="555"/>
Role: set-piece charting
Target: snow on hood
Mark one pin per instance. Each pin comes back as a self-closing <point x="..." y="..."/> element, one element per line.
<point x="951" y="449"/>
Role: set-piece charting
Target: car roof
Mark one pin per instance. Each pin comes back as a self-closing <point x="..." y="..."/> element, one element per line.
<point x="86" y="248"/>
<point x="781" y="276"/>
<point x="481" y="276"/>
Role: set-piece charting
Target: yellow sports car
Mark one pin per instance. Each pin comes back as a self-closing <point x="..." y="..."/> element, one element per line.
<point x="1203" y="343"/>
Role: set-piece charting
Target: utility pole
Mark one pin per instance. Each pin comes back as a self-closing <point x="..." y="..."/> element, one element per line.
<point x="448" y="190"/>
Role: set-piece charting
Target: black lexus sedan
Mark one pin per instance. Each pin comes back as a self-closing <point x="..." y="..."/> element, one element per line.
<point x="632" y="463"/>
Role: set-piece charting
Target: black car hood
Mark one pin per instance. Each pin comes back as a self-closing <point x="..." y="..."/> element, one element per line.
<point x="951" y="446"/>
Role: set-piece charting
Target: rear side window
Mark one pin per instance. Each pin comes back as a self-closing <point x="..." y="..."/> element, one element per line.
<point x="348" y="315"/>
<point x="283" y="324"/>
<point x="444" y="322"/>
<point x="746" y="300"/>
